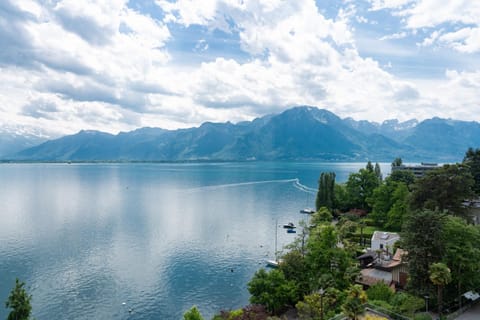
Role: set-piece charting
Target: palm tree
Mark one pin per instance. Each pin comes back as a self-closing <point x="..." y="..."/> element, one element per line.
<point x="440" y="276"/>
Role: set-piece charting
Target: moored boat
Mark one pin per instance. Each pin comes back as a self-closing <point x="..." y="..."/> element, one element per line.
<point x="307" y="211"/>
<point x="289" y="225"/>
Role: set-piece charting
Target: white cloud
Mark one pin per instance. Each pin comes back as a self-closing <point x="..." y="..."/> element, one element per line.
<point x="102" y="65"/>
<point x="462" y="16"/>
<point x="399" y="35"/>
<point x="389" y="4"/>
<point x="465" y="40"/>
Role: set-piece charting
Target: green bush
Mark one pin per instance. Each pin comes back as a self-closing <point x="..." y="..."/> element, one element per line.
<point x="380" y="291"/>
<point x="422" y="316"/>
<point x="380" y="303"/>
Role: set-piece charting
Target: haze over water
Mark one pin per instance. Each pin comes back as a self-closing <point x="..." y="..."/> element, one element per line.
<point x="146" y="241"/>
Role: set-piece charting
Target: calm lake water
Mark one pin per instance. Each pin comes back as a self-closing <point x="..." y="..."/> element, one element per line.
<point x="93" y="241"/>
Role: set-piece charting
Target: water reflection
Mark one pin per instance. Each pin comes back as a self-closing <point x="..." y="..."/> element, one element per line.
<point x="158" y="237"/>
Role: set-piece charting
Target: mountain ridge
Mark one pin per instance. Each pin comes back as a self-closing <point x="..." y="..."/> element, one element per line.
<point x="298" y="133"/>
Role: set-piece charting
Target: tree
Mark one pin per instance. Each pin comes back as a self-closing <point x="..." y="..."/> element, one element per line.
<point x="440" y="276"/>
<point x="322" y="215"/>
<point x="378" y="172"/>
<point x="19" y="302"/>
<point x="369" y="166"/>
<point x="353" y="306"/>
<point x="359" y="188"/>
<point x="389" y="204"/>
<point x="404" y="176"/>
<point x="472" y="161"/>
<point x="295" y="269"/>
<point x="380" y="291"/>
<point x="326" y="191"/>
<point x="318" y="305"/>
<point x="272" y="290"/>
<point x="462" y="253"/>
<point x="324" y="259"/>
<point x="192" y="314"/>
<point x="400" y="208"/>
<point x="422" y="239"/>
<point x="445" y="188"/>
<point x="397" y="162"/>
<point x="406" y="303"/>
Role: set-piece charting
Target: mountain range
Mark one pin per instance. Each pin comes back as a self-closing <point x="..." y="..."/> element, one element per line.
<point x="299" y="133"/>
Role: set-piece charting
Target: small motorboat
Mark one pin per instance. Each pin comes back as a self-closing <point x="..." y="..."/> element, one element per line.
<point x="289" y="225"/>
<point x="291" y="231"/>
<point x="307" y="211"/>
<point x="272" y="263"/>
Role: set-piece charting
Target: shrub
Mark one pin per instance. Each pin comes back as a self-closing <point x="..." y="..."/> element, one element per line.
<point x="422" y="316"/>
<point x="380" y="291"/>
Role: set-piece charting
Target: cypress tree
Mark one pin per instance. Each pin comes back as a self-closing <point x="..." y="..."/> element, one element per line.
<point x="326" y="193"/>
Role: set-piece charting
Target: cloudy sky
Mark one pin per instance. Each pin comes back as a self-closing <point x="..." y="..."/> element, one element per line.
<point x="116" y="65"/>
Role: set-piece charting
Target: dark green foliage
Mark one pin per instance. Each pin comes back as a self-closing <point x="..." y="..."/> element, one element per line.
<point x="397" y="162"/>
<point x="295" y="268"/>
<point x="404" y="176"/>
<point x="444" y="188"/>
<point x="422" y="238"/>
<point x="389" y="204"/>
<point x="272" y="290"/>
<point x="472" y="161"/>
<point x="378" y="172"/>
<point x="405" y="303"/>
<point x="326" y="191"/>
<point x="359" y="188"/>
<point x="341" y="197"/>
<point x="19" y="302"/>
<point x="322" y="215"/>
<point x="380" y="291"/>
<point x="422" y="316"/>
<point x="462" y="253"/>
<point x="369" y="166"/>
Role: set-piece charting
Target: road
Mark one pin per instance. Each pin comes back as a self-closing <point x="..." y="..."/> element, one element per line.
<point x="471" y="314"/>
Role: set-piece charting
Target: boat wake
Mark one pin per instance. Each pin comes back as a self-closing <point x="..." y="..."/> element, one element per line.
<point x="233" y="185"/>
<point x="299" y="186"/>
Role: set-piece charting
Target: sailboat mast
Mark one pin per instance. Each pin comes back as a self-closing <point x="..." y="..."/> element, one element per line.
<point x="276" y="230"/>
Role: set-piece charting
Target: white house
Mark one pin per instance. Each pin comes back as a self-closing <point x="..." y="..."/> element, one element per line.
<point x="382" y="240"/>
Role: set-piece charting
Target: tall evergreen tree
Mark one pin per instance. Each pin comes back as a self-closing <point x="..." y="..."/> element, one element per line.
<point x="369" y="167"/>
<point x="326" y="191"/>
<point x="378" y="172"/>
<point x="422" y="239"/>
<point x="444" y="189"/>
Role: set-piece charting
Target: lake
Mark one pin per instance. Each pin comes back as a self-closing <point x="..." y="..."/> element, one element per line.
<point x="146" y="240"/>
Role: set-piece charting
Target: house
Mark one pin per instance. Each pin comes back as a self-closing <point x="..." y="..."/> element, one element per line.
<point x="382" y="240"/>
<point x="383" y="267"/>
<point x="417" y="170"/>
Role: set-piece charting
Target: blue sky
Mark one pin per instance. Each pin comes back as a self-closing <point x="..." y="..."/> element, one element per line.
<point x="116" y="65"/>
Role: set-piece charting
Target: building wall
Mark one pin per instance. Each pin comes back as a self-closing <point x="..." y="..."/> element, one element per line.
<point x="385" y="242"/>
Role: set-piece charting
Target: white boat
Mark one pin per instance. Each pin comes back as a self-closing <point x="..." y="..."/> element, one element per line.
<point x="272" y="263"/>
<point x="289" y="225"/>
<point x="307" y="211"/>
